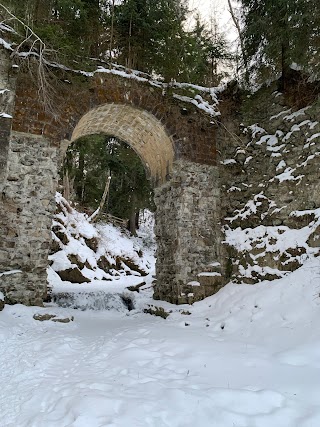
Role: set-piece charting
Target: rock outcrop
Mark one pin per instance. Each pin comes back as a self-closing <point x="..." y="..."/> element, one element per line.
<point x="270" y="182"/>
<point x="81" y="252"/>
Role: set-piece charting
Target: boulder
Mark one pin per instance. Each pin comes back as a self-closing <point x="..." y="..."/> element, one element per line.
<point x="73" y="275"/>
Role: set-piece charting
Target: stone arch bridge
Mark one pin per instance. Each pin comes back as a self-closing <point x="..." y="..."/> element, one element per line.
<point x="175" y="141"/>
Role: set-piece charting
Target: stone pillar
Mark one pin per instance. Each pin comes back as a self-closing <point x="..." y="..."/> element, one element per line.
<point x="188" y="231"/>
<point x="26" y="207"/>
<point x="7" y="95"/>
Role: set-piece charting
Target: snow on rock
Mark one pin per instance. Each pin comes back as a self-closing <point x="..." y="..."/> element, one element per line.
<point x="282" y="164"/>
<point x="228" y="162"/>
<point x="5" y="115"/>
<point x="263" y="236"/>
<point x="287" y="175"/>
<point x="285" y="248"/>
<point x="199" y="102"/>
<point x="6" y="273"/>
<point x="233" y="188"/>
<point x="291" y="117"/>
<point x="5" y="44"/>
<point x="255" y="130"/>
<point x="259" y="203"/>
<point x="83" y="252"/>
<point x="270" y="250"/>
<point x="209" y="106"/>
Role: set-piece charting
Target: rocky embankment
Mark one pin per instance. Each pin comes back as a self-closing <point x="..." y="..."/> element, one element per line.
<point x="270" y="180"/>
<point x="82" y="252"/>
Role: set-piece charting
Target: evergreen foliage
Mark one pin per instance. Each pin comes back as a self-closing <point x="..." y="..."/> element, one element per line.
<point x="204" y="51"/>
<point x="71" y="27"/>
<point x="277" y="33"/>
<point x="152" y="38"/>
<point x="147" y="35"/>
<point x="89" y="161"/>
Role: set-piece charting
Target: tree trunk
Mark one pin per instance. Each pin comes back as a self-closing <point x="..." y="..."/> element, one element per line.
<point x="285" y="69"/>
<point x="98" y="212"/>
<point x="132" y="224"/>
<point x="42" y="11"/>
<point x="66" y="185"/>
<point x="129" y="61"/>
<point x="81" y="181"/>
<point x="237" y="25"/>
<point x="111" y="34"/>
<point x="285" y="46"/>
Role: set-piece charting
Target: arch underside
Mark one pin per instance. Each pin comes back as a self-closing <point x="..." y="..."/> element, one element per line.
<point x="141" y="130"/>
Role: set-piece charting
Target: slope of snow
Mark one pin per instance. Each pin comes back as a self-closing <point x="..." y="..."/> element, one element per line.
<point x="248" y="356"/>
<point x="72" y="234"/>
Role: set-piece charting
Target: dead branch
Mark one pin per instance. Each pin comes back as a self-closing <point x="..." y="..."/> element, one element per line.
<point x="36" y="50"/>
<point x="97" y="213"/>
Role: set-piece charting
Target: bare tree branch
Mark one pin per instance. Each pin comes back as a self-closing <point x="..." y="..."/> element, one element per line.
<point x="98" y="212"/>
<point x="36" y="49"/>
<point x="237" y="25"/>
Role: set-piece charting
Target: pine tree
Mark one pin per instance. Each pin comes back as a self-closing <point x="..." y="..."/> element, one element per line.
<point x="279" y="32"/>
<point x="149" y="35"/>
<point x="87" y="164"/>
<point x="142" y="34"/>
<point x="71" y="27"/>
<point x="204" y="51"/>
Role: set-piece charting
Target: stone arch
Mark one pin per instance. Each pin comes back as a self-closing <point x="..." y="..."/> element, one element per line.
<point x="141" y="130"/>
<point x="175" y="140"/>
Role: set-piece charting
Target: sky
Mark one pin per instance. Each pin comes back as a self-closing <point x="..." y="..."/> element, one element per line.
<point x="219" y="8"/>
<point x="207" y="6"/>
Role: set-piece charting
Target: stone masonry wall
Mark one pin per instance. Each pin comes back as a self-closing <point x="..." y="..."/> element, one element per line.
<point x="7" y="83"/>
<point x="26" y="207"/>
<point x="191" y="129"/>
<point x="187" y="228"/>
<point x="270" y="186"/>
<point x="188" y="235"/>
<point x="187" y="215"/>
<point x="146" y="135"/>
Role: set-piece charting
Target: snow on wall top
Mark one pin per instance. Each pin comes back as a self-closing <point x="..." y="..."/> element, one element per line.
<point x="209" y="106"/>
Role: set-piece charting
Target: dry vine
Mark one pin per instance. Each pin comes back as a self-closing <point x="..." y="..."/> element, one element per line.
<point x="37" y="50"/>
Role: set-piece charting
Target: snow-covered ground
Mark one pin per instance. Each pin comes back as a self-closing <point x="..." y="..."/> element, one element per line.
<point x="247" y="357"/>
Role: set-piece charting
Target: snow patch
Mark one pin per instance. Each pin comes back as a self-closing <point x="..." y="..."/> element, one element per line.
<point x="9" y="272"/>
<point x="5" y="115"/>
<point x="228" y="162"/>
